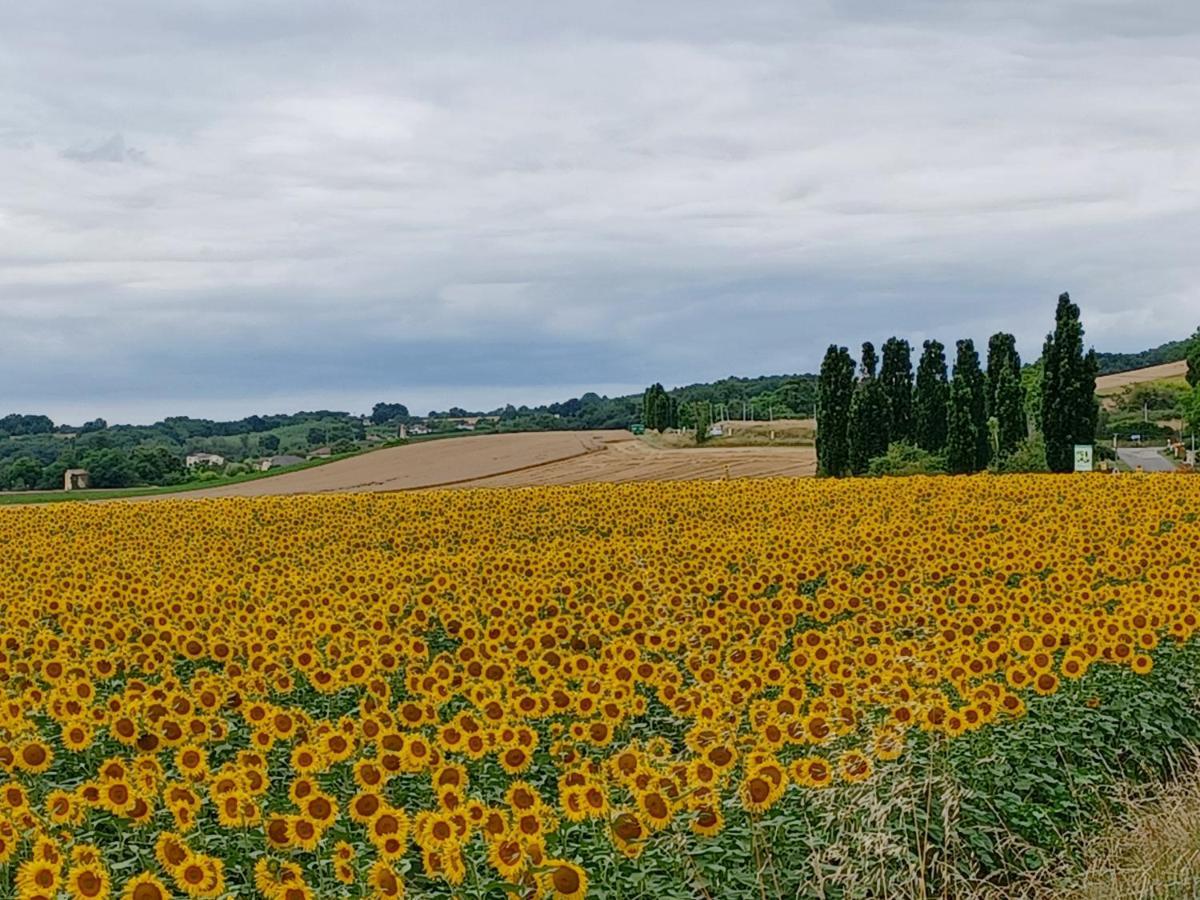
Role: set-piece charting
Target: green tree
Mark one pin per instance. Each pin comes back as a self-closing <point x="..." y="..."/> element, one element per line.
<point x="109" y="469"/>
<point x="657" y="412"/>
<point x="1008" y="409"/>
<point x="896" y="376"/>
<point x="382" y="413"/>
<point x="962" y="439"/>
<point x="966" y="363"/>
<point x="702" y="420"/>
<point x="867" y="432"/>
<point x="1069" y="407"/>
<point x="931" y="395"/>
<point x="835" y="386"/>
<point x="269" y="443"/>
<point x="1193" y="361"/>
<point x="1005" y="396"/>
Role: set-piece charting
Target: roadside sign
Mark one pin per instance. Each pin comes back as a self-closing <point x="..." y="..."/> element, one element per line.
<point x="1083" y="457"/>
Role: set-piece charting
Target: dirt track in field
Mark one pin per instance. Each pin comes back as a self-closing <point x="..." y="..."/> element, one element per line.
<point x="518" y="460"/>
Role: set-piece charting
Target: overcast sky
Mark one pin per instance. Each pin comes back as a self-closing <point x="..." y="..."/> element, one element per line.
<point x="234" y="206"/>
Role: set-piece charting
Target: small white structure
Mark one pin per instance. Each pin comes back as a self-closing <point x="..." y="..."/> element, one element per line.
<point x="204" y="459"/>
<point x="276" y="462"/>
<point x="75" y="480"/>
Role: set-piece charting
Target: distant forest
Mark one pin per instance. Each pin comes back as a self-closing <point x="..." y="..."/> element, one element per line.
<point x="1171" y="351"/>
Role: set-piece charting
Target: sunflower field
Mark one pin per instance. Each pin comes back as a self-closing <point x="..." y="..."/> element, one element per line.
<point x="728" y="689"/>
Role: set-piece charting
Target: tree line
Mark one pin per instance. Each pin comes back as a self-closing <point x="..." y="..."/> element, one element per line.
<point x="965" y="419"/>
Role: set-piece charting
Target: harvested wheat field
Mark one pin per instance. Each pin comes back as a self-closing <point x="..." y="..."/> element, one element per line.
<point x="1107" y="384"/>
<point x="517" y="460"/>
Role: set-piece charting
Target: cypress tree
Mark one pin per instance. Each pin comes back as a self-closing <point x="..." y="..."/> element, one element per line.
<point x="834" y="388"/>
<point x="657" y="408"/>
<point x="896" y="376"/>
<point x="930" y="398"/>
<point x="1008" y="405"/>
<point x="966" y="363"/>
<point x="869" y="418"/>
<point x="1005" y="395"/>
<point x="962" y="439"/>
<point x="1069" y="409"/>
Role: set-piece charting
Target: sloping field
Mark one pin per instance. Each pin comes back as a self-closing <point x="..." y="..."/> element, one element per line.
<point x="514" y="460"/>
<point x="1107" y="384"/>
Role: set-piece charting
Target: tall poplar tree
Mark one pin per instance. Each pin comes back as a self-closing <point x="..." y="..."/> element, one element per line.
<point x="1069" y="408"/>
<point x="966" y="364"/>
<point x="896" y="376"/>
<point x="962" y="437"/>
<point x="869" y="417"/>
<point x="835" y="385"/>
<point x="1005" y="395"/>
<point x="930" y="397"/>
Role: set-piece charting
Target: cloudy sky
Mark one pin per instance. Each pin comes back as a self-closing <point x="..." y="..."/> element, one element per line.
<point x="233" y="206"/>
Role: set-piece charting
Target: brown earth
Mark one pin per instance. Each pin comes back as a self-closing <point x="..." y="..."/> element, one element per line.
<point x="515" y="460"/>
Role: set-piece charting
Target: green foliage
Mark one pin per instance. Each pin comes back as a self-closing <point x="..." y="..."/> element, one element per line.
<point x="1193" y="361"/>
<point x="1171" y="351"/>
<point x="962" y="439"/>
<point x="966" y="364"/>
<point x="1191" y="410"/>
<point x="660" y="410"/>
<point x="896" y="376"/>
<point x="905" y="459"/>
<point x="701" y="419"/>
<point x="834" y="392"/>
<point x="867" y="431"/>
<point x="1028" y="456"/>
<point x="1069" y="408"/>
<point x="1158" y="399"/>
<point x="930" y="398"/>
<point x="1005" y="394"/>
<point x="386" y="413"/>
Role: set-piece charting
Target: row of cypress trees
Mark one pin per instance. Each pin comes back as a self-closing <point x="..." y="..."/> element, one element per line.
<point x="969" y="417"/>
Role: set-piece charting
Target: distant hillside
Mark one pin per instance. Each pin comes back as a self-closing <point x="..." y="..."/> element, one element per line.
<point x="1171" y="351"/>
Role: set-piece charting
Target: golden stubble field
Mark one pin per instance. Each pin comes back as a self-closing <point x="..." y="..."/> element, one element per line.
<point x="526" y="460"/>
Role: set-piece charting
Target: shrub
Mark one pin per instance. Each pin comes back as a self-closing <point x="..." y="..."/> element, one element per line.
<point x="905" y="459"/>
<point x="1030" y="456"/>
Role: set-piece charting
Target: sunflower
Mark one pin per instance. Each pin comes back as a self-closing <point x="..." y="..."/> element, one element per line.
<point x="35" y="876"/>
<point x="87" y="882"/>
<point x="564" y="880"/>
<point x="145" y="887"/>
<point x="854" y="766"/>
<point x="34" y="757"/>
<point x="708" y="821"/>
<point x="384" y="880"/>
<point x="192" y="762"/>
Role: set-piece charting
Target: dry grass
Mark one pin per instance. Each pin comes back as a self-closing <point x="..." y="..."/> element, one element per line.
<point x="1153" y="852"/>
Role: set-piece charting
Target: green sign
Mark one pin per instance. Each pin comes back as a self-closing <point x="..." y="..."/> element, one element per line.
<point x="1083" y="457"/>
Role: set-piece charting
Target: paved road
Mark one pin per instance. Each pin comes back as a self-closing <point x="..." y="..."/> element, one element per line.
<point x="1147" y="457"/>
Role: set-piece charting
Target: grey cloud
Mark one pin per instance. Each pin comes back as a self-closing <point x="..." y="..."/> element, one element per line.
<point x="113" y="150"/>
<point x="452" y="197"/>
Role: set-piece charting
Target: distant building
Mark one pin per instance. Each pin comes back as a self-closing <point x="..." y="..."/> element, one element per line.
<point x="418" y="429"/>
<point x="204" y="459"/>
<point x="75" y="479"/>
<point x="278" y="462"/>
<point x="320" y="453"/>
